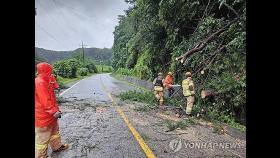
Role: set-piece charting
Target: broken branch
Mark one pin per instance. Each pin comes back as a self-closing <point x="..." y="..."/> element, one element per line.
<point x="203" y="43"/>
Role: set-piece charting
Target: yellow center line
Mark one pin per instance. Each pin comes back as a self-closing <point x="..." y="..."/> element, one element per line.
<point x="149" y="153"/>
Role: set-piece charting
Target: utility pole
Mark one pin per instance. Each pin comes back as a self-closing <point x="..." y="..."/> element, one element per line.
<point x="83" y="51"/>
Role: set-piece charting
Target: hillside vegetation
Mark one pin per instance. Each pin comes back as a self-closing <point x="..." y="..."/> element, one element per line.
<point x="206" y="37"/>
<point x="96" y="54"/>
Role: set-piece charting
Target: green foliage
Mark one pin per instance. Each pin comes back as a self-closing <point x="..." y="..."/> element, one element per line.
<point x="141" y="69"/>
<point x="83" y="71"/>
<point x="124" y="71"/>
<point x="143" y="96"/>
<point x="104" y="68"/>
<point x="91" y="67"/>
<point x="61" y="82"/>
<point x="214" y="114"/>
<point x="70" y="68"/>
<point x="153" y="33"/>
<point x="96" y="54"/>
<point x="67" y="68"/>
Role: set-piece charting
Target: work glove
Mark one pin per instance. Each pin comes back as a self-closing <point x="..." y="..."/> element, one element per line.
<point x="191" y="88"/>
<point x="57" y="114"/>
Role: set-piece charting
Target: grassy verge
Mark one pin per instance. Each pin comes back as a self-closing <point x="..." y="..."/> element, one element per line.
<point x="145" y="97"/>
<point x="63" y="82"/>
<point x="211" y="115"/>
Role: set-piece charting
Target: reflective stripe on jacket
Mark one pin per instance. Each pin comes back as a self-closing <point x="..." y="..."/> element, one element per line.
<point x="186" y="83"/>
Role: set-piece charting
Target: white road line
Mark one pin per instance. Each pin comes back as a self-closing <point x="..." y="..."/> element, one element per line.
<point x="70" y="88"/>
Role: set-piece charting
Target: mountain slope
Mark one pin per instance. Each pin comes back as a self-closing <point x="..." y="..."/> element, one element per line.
<point x="98" y="55"/>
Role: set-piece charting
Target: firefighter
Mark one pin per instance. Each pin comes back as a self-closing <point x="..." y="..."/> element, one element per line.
<point x="46" y="113"/>
<point x="188" y="92"/>
<point x="168" y="82"/>
<point x="158" y="88"/>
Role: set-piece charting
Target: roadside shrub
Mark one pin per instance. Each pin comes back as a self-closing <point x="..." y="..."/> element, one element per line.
<point x="91" y="67"/>
<point x="67" y="68"/>
<point x="83" y="71"/>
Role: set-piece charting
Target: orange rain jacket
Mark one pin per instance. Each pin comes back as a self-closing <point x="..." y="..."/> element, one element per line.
<point x="45" y="100"/>
<point x="168" y="81"/>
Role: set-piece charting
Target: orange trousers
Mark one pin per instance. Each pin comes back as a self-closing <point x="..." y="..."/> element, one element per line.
<point x="47" y="136"/>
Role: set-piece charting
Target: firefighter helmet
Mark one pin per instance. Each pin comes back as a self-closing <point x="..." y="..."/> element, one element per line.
<point x="188" y="74"/>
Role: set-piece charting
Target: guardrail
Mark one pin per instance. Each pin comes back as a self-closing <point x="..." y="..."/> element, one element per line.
<point x="149" y="85"/>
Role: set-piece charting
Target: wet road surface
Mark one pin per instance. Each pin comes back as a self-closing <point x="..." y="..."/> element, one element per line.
<point x="90" y="123"/>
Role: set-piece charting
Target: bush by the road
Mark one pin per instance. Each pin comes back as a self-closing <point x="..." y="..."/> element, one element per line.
<point x="91" y="67"/>
<point x="83" y="71"/>
<point x="67" y="68"/>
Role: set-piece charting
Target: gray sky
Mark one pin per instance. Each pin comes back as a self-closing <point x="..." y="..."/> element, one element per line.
<point x="63" y="24"/>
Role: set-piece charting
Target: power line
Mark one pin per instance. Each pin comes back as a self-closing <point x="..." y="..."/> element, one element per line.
<point x="62" y="15"/>
<point x="48" y="33"/>
<point x="75" y="11"/>
<point x="52" y="18"/>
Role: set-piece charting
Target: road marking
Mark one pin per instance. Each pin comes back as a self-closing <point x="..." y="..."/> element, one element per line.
<point x="70" y="88"/>
<point x="149" y="153"/>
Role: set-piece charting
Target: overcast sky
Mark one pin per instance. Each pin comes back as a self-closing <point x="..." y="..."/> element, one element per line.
<point x="64" y="24"/>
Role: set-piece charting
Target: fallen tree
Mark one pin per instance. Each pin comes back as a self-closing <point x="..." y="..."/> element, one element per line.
<point x="208" y="93"/>
<point x="203" y="43"/>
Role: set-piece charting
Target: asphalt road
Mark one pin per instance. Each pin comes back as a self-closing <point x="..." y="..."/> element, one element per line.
<point x="91" y="124"/>
<point x="94" y="127"/>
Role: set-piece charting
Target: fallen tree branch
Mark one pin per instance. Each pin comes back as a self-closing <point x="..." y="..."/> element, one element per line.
<point x="215" y="54"/>
<point x="203" y="43"/>
<point x="201" y="68"/>
<point x="230" y="8"/>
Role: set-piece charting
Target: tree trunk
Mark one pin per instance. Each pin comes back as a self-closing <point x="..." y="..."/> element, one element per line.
<point x="203" y="43"/>
<point x="208" y="93"/>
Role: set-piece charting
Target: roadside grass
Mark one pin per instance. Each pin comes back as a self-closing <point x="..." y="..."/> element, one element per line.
<point x="210" y="115"/>
<point x="144" y="97"/>
<point x="63" y="82"/>
<point x="133" y="95"/>
<point x="216" y="117"/>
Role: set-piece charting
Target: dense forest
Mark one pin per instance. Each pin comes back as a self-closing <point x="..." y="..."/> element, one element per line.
<point x="96" y="54"/>
<point x="205" y="37"/>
